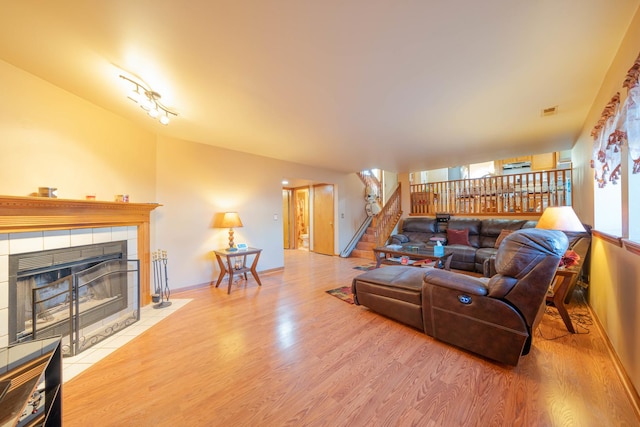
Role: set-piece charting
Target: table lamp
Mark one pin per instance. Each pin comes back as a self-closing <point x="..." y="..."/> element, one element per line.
<point x="230" y="220"/>
<point x="562" y="218"/>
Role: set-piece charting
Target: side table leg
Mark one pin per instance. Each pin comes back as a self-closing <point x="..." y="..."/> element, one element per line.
<point x="254" y="273"/>
<point x="558" y="302"/>
<point x="230" y="274"/>
<point x="379" y="258"/>
<point x="223" y="270"/>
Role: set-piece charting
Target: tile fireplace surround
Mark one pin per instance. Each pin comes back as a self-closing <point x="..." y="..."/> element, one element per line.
<point x="29" y="224"/>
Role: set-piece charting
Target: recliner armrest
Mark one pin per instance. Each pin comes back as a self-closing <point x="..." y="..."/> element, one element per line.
<point x="489" y="266"/>
<point x="398" y="239"/>
<point x="457" y="281"/>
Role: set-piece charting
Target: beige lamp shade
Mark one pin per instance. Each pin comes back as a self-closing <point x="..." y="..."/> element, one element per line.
<point x="230" y="220"/>
<point x="561" y="218"/>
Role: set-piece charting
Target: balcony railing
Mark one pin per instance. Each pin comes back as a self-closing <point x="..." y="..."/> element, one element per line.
<point x="517" y="194"/>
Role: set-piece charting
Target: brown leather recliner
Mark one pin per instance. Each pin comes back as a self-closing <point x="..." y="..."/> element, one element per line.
<point x="494" y="318"/>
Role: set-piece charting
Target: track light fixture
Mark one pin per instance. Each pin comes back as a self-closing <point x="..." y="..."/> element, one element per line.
<point x="149" y="101"/>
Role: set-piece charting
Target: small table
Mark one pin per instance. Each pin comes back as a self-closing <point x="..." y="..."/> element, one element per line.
<point x="383" y="253"/>
<point x="232" y="268"/>
<point x="558" y="294"/>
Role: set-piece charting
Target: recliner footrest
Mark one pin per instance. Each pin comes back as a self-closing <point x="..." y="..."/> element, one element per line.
<point x="394" y="291"/>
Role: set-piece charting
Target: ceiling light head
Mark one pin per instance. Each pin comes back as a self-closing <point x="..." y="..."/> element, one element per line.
<point x="153" y="112"/>
<point x="149" y="100"/>
<point x="135" y="94"/>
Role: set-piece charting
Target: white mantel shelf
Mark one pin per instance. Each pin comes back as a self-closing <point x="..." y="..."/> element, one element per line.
<point x="26" y="214"/>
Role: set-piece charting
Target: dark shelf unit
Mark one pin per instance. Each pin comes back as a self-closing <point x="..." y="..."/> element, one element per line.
<point x="31" y="384"/>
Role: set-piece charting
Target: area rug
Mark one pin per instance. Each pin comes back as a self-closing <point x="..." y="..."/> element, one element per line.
<point x="344" y="293"/>
<point x="365" y="267"/>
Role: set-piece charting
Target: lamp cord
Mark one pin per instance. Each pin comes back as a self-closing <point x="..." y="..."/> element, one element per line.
<point x="579" y="314"/>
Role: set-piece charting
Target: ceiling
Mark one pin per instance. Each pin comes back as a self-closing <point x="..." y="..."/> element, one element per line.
<point x="346" y="85"/>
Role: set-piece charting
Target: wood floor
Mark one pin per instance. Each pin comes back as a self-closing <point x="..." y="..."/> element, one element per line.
<point x="289" y="354"/>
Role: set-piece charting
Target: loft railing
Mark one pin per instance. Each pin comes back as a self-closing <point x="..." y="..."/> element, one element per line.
<point x="385" y="221"/>
<point x="517" y="194"/>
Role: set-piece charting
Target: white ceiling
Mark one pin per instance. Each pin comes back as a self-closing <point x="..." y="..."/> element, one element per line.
<point x="346" y="85"/>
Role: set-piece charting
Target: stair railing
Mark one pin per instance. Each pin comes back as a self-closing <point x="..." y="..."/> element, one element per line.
<point x="384" y="222"/>
<point x="514" y="194"/>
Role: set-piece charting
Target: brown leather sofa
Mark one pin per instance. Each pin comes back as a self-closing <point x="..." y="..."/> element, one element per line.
<point x="482" y="237"/>
<point x="492" y="317"/>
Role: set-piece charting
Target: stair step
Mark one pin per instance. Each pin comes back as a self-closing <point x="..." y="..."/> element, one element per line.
<point x="365" y="254"/>
<point x="368" y="238"/>
<point x="365" y="245"/>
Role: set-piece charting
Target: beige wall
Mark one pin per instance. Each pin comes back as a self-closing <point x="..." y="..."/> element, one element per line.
<point x="51" y="138"/>
<point x="196" y="181"/>
<point x="614" y="292"/>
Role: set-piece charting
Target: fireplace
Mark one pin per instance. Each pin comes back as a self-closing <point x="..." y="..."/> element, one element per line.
<point x="83" y="293"/>
<point x="29" y="224"/>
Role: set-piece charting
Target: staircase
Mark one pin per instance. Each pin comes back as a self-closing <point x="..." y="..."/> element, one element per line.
<point x="382" y="224"/>
<point x="364" y="248"/>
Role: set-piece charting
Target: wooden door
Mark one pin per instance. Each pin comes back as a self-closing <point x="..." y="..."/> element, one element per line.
<point x="286" y="218"/>
<point x="323" y="242"/>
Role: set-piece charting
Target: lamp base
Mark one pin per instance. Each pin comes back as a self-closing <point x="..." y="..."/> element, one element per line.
<point x="232" y="249"/>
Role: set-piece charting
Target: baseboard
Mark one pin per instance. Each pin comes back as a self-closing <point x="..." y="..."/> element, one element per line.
<point x="207" y="284"/>
<point x="271" y="270"/>
<point x="632" y="393"/>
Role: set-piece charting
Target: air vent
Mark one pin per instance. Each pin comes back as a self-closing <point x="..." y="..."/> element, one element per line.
<point x="550" y="111"/>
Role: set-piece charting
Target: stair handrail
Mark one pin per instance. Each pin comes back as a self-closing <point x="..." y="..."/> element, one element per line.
<point x="385" y="221"/>
<point x="356" y="238"/>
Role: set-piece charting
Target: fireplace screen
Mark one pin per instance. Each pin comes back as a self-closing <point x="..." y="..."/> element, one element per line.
<point x="84" y="300"/>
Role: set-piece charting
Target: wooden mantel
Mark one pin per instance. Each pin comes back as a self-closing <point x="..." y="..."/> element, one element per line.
<point x="24" y="214"/>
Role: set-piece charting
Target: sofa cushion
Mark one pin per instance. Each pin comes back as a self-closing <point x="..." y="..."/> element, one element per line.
<point x="419" y="225"/>
<point x="419" y="229"/>
<point x="458" y="237"/>
<point x="491" y="229"/>
<point x="399" y="238"/>
<point x="462" y="254"/>
<point x="503" y="234"/>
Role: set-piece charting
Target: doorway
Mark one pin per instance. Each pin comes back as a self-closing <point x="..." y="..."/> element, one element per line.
<point x="308" y="213"/>
<point x="296" y="208"/>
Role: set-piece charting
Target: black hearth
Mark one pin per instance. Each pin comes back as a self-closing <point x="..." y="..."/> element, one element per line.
<point x="83" y="293"/>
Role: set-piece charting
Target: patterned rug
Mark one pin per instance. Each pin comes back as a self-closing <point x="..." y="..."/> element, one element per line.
<point x="365" y="267"/>
<point x="344" y="293"/>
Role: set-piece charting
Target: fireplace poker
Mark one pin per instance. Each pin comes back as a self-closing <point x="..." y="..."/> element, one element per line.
<point x="167" y="291"/>
<point x="156" y="279"/>
<point x="161" y="257"/>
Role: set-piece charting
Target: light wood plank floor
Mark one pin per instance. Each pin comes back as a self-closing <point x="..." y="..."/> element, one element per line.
<point x="288" y="354"/>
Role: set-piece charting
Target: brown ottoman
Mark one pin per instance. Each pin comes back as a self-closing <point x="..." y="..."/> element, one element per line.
<point x="393" y="291"/>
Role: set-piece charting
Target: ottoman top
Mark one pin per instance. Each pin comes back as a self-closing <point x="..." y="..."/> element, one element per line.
<point x="394" y="276"/>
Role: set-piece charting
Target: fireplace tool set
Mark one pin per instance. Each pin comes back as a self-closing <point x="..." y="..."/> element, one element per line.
<point x="161" y="295"/>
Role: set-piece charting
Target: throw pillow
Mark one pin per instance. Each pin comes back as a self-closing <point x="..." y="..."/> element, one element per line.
<point x="503" y="234"/>
<point x="458" y="237"/>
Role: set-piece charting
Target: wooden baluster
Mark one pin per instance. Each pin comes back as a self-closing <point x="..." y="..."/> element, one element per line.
<point x="526" y="193"/>
<point x="548" y="192"/>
